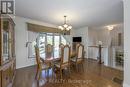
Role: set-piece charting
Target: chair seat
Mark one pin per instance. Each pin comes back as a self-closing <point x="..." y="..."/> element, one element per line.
<point x="63" y="65"/>
<point x="78" y="60"/>
<point x="45" y="66"/>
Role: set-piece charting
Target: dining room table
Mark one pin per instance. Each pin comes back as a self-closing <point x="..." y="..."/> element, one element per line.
<point x="51" y="60"/>
<point x="50" y="57"/>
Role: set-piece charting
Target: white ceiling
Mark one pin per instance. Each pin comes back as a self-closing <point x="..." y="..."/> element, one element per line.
<point x="80" y="13"/>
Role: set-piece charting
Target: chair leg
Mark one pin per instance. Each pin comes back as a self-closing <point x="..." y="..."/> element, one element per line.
<point x="61" y="73"/>
<point x="69" y="71"/>
<point x="83" y="67"/>
<point x="77" y="67"/>
<point x="39" y="74"/>
<point x="47" y="72"/>
<point x="36" y="74"/>
<point x="52" y="72"/>
<point x="55" y="73"/>
<point x="37" y="83"/>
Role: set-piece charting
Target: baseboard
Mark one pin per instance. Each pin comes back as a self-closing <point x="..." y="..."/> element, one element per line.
<point x="19" y="67"/>
<point x="126" y="85"/>
<point x="92" y="59"/>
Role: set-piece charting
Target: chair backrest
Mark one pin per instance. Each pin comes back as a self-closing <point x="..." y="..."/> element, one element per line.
<point x="37" y="56"/>
<point x="61" y="45"/>
<point x="77" y="45"/>
<point x="80" y="51"/>
<point x="65" y="54"/>
<point x="49" y="48"/>
<point x="60" y="48"/>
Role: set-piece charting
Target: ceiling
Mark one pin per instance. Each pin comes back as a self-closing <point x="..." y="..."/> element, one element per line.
<point x="80" y="13"/>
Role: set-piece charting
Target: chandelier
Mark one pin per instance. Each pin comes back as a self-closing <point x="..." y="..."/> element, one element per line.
<point x="65" y="26"/>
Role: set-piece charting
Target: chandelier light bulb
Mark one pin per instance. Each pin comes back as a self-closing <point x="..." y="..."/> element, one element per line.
<point x="110" y="27"/>
<point x="67" y="28"/>
<point x="59" y="27"/>
<point x="65" y="25"/>
<point x="70" y="27"/>
<point x="62" y="28"/>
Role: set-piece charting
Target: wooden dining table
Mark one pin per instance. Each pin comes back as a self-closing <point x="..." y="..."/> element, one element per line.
<point x="51" y="59"/>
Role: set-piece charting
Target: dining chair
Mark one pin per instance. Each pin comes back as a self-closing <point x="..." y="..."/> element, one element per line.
<point x="49" y="50"/>
<point x="60" y="48"/>
<point x="65" y="60"/>
<point x="79" y="56"/>
<point x="61" y="45"/>
<point x="41" y="65"/>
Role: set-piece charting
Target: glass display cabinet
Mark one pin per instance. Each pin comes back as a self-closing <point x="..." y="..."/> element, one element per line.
<point x="7" y="51"/>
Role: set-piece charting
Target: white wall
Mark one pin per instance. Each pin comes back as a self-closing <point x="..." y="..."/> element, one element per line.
<point x="21" y="37"/>
<point x="114" y="35"/>
<point x="96" y="34"/>
<point x="82" y="32"/>
<point x="101" y="33"/>
<point x="127" y="43"/>
<point x="92" y="37"/>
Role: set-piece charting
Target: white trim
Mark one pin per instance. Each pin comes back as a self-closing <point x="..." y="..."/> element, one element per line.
<point x="19" y="67"/>
<point x="126" y="85"/>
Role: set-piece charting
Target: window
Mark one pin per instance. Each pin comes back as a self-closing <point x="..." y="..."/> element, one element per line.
<point x="41" y="43"/>
<point x="63" y="41"/>
<point x="42" y="40"/>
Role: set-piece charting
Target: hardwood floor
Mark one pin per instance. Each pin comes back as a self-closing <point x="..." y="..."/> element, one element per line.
<point x="94" y="75"/>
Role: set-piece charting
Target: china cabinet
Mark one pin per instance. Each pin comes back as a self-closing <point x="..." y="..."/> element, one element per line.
<point x="7" y="52"/>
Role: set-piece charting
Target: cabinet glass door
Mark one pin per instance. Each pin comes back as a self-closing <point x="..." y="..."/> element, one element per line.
<point x="5" y="38"/>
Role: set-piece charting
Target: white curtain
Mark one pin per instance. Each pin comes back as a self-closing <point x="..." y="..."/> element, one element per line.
<point x="31" y="43"/>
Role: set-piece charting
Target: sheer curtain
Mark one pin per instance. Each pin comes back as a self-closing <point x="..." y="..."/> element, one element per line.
<point x="32" y="36"/>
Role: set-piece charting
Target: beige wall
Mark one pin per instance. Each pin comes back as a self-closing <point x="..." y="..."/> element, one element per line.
<point x="21" y="37"/>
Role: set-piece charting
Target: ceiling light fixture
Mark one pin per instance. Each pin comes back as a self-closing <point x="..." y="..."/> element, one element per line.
<point x="110" y="27"/>
<point x="65" y="26"/>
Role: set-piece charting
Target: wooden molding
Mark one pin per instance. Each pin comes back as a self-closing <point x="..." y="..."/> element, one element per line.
<point x="41" y="28"/>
